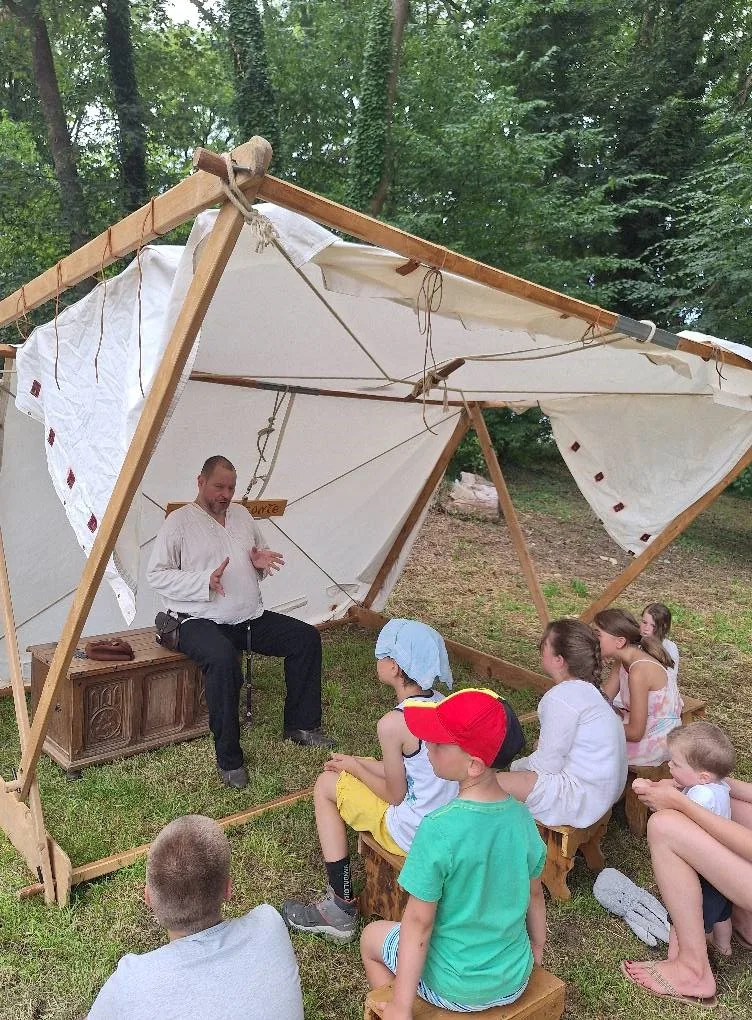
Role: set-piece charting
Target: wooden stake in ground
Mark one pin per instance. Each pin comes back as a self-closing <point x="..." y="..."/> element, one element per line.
<point x="666" y="537"/>
<point x="510" y="514"/>
<point x="417" y="509"/>
<point x="217" y="250"/>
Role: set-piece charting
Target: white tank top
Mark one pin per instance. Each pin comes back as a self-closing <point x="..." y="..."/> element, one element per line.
<point x="425" y="791"/>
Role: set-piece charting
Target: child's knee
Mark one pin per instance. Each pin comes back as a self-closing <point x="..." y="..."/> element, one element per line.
<point x="325" y="787"/>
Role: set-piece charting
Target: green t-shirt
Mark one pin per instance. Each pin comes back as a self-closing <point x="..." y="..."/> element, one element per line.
<point x="476" y="860"/>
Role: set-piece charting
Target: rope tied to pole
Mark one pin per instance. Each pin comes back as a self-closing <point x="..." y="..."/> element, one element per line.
<point x="262" y="227"/>
<point x="429" y="301"/>
<point x="262" y="441"/>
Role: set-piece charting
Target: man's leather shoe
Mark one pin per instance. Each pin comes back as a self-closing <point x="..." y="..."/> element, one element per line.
<point x="309" y="738"/>
<point x="236" y="778"/>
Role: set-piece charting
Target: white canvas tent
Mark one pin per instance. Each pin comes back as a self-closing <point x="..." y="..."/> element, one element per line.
<point x="323" y="341"/>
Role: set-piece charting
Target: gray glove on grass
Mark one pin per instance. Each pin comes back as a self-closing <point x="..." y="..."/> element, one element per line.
<point x="644" y="914"/>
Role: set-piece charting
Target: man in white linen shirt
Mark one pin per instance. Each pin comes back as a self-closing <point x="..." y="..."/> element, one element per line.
<point x="207" y="561"/>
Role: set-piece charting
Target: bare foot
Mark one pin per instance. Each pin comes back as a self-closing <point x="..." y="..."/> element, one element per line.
<point x="718" y="945"/>
<point x="671" y="974"/>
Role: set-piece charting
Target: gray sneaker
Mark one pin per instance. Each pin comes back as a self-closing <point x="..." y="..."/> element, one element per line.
<point x="331" y="917"/>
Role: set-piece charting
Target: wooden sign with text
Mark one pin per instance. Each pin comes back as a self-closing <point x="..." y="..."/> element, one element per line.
<point x="255" y="507"/>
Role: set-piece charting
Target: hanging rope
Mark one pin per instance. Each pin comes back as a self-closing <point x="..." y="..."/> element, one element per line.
<point x="429" y="301"/>
<point x="106" y="250"/>
<point x="262" y="441"/>
<point x="24" y="314"/>
<point x="59" y="270"/>
<point x="149" y="213"/>
<point x="263" y="228"/>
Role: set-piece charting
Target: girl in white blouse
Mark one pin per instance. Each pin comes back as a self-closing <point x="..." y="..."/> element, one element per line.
<point x="579" y="768"/>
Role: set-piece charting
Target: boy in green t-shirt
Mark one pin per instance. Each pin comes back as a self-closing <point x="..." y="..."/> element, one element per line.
<point x="476" y="918"/>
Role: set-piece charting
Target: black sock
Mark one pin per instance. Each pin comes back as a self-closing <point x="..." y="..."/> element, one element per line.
<point x="338" y="873"/>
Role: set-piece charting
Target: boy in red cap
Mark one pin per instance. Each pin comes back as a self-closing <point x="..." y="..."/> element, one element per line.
<point x="476" y="918"/>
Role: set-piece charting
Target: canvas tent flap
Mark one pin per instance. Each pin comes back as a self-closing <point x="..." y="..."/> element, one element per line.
<point x="639" y="463"/>
<point x="84" y="377"/>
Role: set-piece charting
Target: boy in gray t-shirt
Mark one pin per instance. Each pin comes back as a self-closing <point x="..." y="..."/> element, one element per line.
<point x="211" y="969"/>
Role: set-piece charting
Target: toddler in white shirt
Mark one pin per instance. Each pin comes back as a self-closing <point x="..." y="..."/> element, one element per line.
<point x="702" y="756"/>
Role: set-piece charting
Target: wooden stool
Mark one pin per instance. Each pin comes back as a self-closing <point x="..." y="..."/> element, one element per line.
<point x="637" y="813"/>
<point x="543" y="999"/>
<point x="562" y="843"/>
<point x="381" y="896"/>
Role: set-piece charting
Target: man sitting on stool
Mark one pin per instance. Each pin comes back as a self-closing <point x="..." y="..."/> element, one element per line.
<point x="207" y="561"/>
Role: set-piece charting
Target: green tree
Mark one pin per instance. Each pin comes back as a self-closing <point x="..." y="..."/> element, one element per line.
<point x="255" y="106"/>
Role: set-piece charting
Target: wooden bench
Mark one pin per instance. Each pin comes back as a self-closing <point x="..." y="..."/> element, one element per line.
<point x="636" y="812"/>
<point x="562" y="843"/>
<point x="382" y="895"/>
<point x="543" y="999"/>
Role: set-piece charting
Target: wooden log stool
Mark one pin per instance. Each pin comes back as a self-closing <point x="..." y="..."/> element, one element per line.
<point x="382" y="895"/>
<point x="562" y="843"/>
<point x="636" y="812"/>
<point x="543" y="999"/>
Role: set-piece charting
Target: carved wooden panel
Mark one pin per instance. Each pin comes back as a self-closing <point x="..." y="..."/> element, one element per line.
<point x="105" y="714"/>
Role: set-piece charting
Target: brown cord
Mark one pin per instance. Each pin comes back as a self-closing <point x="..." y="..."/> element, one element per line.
<point x="107" y="249"/>
<point x="21" y="302"/>
<point x="59" y="270"/>
<point x="149" y="211"/>
<point x="431" y="293"/>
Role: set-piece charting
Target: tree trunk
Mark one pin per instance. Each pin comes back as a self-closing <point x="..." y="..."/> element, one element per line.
<point x="401" y="11"/>
<point x="128" y="106"/>
<point x="63" y="155"/>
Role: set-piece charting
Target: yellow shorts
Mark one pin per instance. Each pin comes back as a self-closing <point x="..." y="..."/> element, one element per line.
<point x="364" y="811"/>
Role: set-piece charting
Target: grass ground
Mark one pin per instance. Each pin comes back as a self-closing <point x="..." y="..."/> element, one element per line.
<point x="463" y="578"/>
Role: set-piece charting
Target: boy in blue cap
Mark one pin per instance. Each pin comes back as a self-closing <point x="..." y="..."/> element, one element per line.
<point x="476" y="918"/>
<point x="387" y="798"/>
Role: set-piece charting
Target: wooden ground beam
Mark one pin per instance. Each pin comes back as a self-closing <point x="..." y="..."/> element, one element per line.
<point x="666" y="537"/>
<point x="107" y="865"/>
<point x="418" y="507"/>
<point x="35" y="815"/>
<point x="510" y="514"/>
<point x="218" y="248"/>
<point x="485" y="665"/>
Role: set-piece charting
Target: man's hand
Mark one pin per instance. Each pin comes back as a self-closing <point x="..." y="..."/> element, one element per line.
<point x="215" y="580"/>
<point x="266" y="559"/>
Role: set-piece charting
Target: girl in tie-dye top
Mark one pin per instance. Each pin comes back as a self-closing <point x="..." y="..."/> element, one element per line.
<point x="641" y="675"/>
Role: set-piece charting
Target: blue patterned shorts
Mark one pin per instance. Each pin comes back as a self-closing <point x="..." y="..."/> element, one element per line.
<point x="389" y="952"/>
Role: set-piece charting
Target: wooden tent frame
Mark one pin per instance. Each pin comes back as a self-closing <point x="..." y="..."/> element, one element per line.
<point x="21" y="814"/>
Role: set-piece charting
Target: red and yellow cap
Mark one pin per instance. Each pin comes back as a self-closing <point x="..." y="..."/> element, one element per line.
<point x="477" y="720"/>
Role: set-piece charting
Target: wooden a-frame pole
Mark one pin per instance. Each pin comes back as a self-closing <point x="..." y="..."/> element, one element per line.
<point x="217" y="250"/>
<point x="510" y="514"/>
<point x="417" y="509"/>
<point x="22" y="721"/>
<point x="679" y="524"/>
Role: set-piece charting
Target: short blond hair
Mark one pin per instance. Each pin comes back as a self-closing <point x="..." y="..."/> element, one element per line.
<point x="706" y="747"/>
<point x="187" y="871"/>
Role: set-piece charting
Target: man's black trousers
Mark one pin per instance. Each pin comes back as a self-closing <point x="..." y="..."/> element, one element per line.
<point x="215" y="647"/>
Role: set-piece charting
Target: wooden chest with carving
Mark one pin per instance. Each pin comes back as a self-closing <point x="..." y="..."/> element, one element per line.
<point x="107" y="710"/>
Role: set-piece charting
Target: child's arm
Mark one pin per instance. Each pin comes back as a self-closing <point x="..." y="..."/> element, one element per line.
<point x="610" y="685"/>
<point x="740" y="790"/>
<point x="639" y="692"/>
<point x="415" y="935"/>
<point x="536" y="920"/>
<point x="390" y="781"/>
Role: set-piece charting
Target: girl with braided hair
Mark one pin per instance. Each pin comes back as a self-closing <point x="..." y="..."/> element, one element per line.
<point x="578" y="770"/>
<point x="641" y="677"/>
